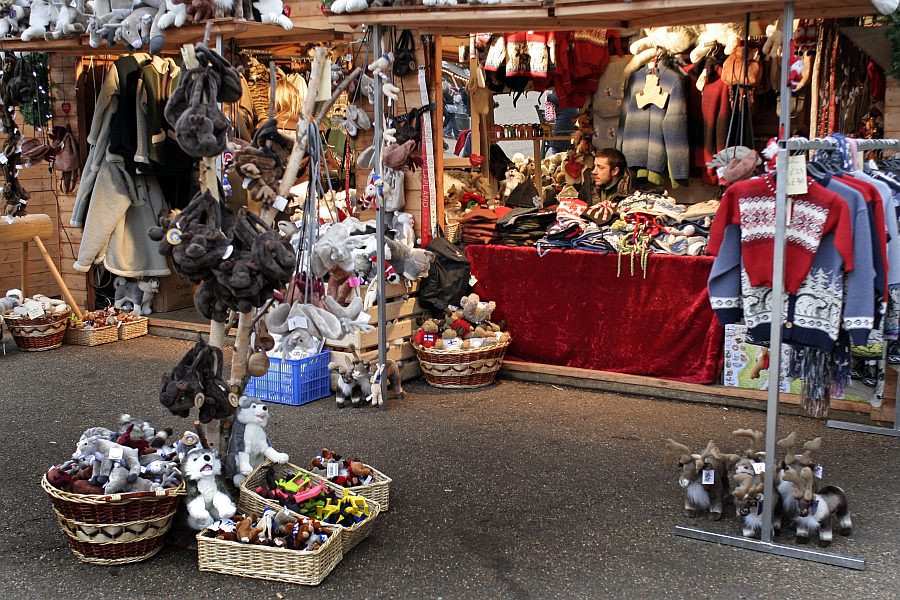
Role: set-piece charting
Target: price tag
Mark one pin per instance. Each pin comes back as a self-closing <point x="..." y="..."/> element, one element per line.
<point x="115" y="453"/>
<point x="709" y="476"/>
<point x="796" y="184"/>
<point x="280" y="203"/>
<point x="363" y="318"/>
<point x="818" y="472"/>
<point x="298" y="322"/>
<point x="472" y="280"/>
<point x="720" y="172"/>
<point x="332" y="469"/>
<point x="759" y="467"/>
<point x="34" y="309"/>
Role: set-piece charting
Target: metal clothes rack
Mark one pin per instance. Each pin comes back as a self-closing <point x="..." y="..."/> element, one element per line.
<point x="766" y="543"/>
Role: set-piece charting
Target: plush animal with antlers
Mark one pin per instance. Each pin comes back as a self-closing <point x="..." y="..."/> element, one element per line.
<point x="794" y="462"/>
<point x="704" y="477"/>
<point x="751" y="455"/>
<point x="748" y="498"/>
<point x="817" y="511"/>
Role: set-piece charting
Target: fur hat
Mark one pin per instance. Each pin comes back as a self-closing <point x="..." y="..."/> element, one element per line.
<point x="395" y="155"/>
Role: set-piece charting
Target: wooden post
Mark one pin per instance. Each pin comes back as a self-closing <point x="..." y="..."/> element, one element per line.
<point x="24" y="286"/>
<point x="55" y="272"/>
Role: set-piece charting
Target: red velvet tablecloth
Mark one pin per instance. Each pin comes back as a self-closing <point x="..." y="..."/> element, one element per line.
<point x="569" y="308"/>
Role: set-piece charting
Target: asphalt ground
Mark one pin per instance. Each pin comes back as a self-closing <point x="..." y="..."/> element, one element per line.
<point x="514" y="491"/>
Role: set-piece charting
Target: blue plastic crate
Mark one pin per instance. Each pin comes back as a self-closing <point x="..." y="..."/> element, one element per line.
<point x="293" y="382"/>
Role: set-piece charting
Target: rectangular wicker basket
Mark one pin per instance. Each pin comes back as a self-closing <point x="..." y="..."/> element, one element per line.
<point x="252" y="503"/>
<point x="133" y="329"/>
<point x="91" y="337"/>
<point x="266" y="562"/>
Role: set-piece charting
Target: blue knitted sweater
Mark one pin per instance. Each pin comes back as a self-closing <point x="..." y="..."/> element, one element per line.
<point x="653" y="139"/>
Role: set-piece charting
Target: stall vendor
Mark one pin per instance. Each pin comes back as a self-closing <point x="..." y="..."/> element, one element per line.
<point x="612" y="180"/>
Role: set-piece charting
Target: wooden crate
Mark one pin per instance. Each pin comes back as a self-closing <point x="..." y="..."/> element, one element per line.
<point x="401" y="329"/>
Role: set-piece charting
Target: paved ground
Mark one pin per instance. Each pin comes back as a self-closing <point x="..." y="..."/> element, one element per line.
<point x="518" y="491"/>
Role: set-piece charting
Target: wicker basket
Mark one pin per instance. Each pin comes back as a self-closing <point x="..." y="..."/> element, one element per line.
<point x="133" y="329"/>
<point x="91" y="337"/>
<point x="461" y="368"/>
<point x="379" y="490"/>
<point x="252" y="503"/>
<point x="117" y="529"/>
<point x="37" y="335"/>
<point x="266" y="562"/>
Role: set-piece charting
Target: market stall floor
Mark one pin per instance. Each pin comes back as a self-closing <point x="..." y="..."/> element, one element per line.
<point x="519" y="490"/>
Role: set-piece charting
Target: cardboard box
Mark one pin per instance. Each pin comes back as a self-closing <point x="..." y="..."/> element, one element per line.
<point x="741" y="368"/>
<point x="175" y="292"/>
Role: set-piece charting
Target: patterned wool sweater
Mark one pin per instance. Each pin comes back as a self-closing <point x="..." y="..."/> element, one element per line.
<point x="751" y="205"/>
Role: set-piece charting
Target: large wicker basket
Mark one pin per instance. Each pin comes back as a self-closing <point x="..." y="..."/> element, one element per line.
<point x="92" y="337"/>
<point x="37" y="335"/>
<point x="266" y="562"/>
<point x="461" y="368"/>
<point x="133" y="329"/>
<point x="116" y="529"/>
<point x="251" y="502"/>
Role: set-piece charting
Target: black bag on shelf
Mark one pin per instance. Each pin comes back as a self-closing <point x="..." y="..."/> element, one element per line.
<point x="404" y="54"/>
<point x="448" y="279"/>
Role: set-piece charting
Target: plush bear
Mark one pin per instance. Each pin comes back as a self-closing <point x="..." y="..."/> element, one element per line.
<point x="427" y="335"/>
<point x="207" y="499"/>
<point x="249" y="444"/>
<point x="476" y="311"/>
<point x="199" y="10"/>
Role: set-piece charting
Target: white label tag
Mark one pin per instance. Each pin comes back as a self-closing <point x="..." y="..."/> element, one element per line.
<point x="818" y="472"/>
<point x="34" y="309"/>
<point x="709" y="476"/>
<point x="298" y="322"/>
<point x="759" y="467"/>
<point x="228" y="251"/>
<point x="280" y="203"/>
<point x="115" y="453"/>
<point x="472" y="280"/>
<point x="363" y="318"/>
<point x="796" y="184"/>
<point x="720" y="172"/>
<point x="332" y="469"/>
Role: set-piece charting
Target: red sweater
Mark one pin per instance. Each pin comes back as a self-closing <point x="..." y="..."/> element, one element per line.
<point x="751" y="204"/>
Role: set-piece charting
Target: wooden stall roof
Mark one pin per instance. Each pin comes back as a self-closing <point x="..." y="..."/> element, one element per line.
<point x="248" y="33"/>
<point x="581" y="14"/>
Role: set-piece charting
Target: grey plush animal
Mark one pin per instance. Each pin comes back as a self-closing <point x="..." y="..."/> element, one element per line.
<point x="12" y="299"/>
<point x="207" y="498"/>
<point x="249" y="444"/>
<point x="135" y="295"/>
<point x="412" y="263"/>
<point x="118" y="464"/>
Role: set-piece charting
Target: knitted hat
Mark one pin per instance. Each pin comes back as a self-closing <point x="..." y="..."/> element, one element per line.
<point x="600" y="213"/>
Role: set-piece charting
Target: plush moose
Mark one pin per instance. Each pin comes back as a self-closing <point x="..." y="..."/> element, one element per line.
<point x="817" y="511"/>
<point x="704" y="477"/>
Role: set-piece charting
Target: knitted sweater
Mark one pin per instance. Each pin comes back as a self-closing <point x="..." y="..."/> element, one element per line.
<point x="653" y="139"/>
<point x="751" y="204"/>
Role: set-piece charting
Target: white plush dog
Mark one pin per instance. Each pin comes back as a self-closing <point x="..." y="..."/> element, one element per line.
<point x="207" y="499"/>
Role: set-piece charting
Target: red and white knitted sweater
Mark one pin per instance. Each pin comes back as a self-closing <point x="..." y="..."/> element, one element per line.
<point x="751" y="204"/>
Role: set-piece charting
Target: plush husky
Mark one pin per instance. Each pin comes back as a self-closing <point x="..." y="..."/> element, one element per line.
<point x="207" y="499"/>
<point x="249" y="444"/>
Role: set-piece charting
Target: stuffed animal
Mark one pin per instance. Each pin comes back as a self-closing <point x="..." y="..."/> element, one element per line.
<point x="137" y="295"/>
<point x="110" y="455"/>
<point x="411" y="263"/>
<point x="249" y="444"/>
<point x="725" y="34"/>
<point x="272" y="12"/>
<point x="391" y="372"/>
<point x="199" y="10"/>
<point x="42" y="14"/>
<point x="12" y="299"/>
<point x="70" y="22"/>
<point x="671" y="40"/>
<point x="428" y="334"/>
<point x="12" y="13"/>
<point x="171" y="13"/>
<point x="382" y="65"/>
<point x="207" y="499"/>
<point x="224" y="529"/>
<point x="134" y="30"/>
<point x="476" y="311"/>
<point x="352" y="317"/>
<point x="402" y="223"/>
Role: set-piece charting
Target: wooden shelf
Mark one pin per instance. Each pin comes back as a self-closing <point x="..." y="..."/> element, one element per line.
<point x="250" y="33"/>
<point x="581" y="14"/>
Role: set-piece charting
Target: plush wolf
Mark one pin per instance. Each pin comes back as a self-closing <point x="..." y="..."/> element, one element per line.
<point x="249" y="444"/>
<point x="207" y="498"/>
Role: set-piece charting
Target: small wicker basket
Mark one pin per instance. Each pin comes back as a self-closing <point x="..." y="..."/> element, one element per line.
<point x="266" y="562"/>
<point x="461" y="368"/>
<point x="91" y="337"/>
<point x="37" y="335"/>
<point x="133" y="329"/>
<point x="251" y="502"/>
<point x="116" y="529"/>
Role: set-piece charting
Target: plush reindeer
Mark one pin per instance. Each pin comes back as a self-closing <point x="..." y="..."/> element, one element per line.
<point x="749" y="505"/>
<point x="794" y="462"/>
<point x="704" y="477"/>
<point x="817" y="511"/>
<point x="751" y="455"/>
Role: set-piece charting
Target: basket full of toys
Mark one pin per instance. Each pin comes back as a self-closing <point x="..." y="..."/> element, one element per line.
<point x="306" y="494"/>
<point x="466" y="350"/>
<point x="37" y="323"/>
<point x="358" y="477"/>
<point x="116" y="498"/>
<point x="273" y="545"/>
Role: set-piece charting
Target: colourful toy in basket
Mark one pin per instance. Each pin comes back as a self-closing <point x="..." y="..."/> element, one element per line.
<point x="273" y="528"/>
<point x="349" y="473"/>
<point x="249" y="445"/>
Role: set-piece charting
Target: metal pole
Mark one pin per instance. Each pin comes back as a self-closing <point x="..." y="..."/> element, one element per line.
<point x="781" y="207"/>
<point x="379" y="216"/>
